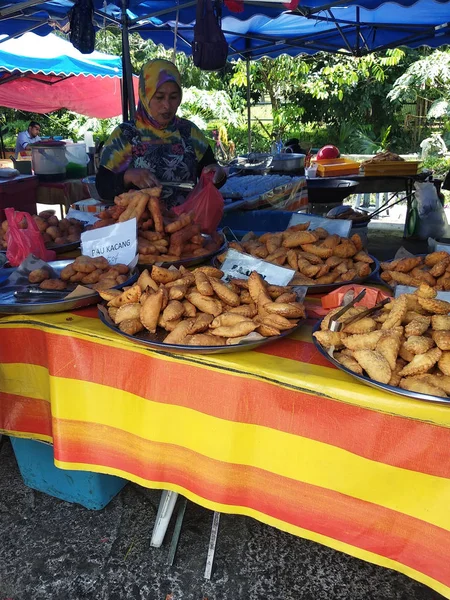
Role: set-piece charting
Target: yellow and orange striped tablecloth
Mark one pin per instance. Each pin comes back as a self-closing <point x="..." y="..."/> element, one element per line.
<point x="277" y="434"/>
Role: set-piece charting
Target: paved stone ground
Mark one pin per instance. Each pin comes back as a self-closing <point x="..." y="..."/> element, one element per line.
<point x="53" y="550"/>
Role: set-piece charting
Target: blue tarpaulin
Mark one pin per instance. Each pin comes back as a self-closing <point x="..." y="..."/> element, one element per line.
<point x="263" y="28"/>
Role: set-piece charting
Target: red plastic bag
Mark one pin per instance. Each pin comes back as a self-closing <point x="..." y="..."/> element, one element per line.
<point x="205" y="202"/>
<point x="23" y="241"/>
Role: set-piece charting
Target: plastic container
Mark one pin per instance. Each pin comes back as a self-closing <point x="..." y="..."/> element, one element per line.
<point x="91" y="490"/>
<point x="335" y="167"/>
<point x="90" y="182"/>
<point x="49" y="162"/>
<point x="89" y="140"/>
<point x="77" y="161"/>
<point x="91" y="205"/>
<point x="267" y="221"/>
<point x="390" y="167"/>
<point x="258" y="221"/>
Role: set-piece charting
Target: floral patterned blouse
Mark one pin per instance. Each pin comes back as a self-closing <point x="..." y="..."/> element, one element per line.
<point x="171" y="154"/>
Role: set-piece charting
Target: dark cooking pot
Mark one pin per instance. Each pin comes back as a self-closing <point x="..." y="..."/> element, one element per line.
<point x="330" y="191"/>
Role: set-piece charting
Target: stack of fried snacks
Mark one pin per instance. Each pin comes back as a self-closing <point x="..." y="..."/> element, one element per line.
<point x="197" y="308"/>
<point x="382" y="157"/>
<point x="319" y="258"/>
<point x="433" y="269"/>
<point x="406" y="345"/>
<point x="90" y="272"/>
<point x="160" y="238"/>
<point x="54" y="231"/>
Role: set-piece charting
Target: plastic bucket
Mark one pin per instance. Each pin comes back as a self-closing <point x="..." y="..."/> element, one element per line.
<point x="77" y="161"/>
<point x="49" y="163"/>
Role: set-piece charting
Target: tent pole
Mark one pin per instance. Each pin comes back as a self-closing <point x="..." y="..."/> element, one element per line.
<point x="124" y="87"/>
<point x="249" y="115"/>
<point x="126" y="65"/>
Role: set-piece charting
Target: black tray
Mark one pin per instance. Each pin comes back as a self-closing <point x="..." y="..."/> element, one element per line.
<point x="324" y="288"/>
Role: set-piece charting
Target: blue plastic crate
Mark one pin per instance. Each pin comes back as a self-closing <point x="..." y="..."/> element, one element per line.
<point x="91" y="490"/>
<point x="268" y="221"/>
<point x="258" y="221"/>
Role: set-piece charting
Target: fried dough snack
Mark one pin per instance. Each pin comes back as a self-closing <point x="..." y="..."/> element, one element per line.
<point x="161" y="237"/>
<point x="96" y="273"/>
<point x="198" y="308"/>
<point x="432" y="269"/>
<point x="54" y="231"/>
<point x="408" y="348"/>
<point x="318" y="258"/>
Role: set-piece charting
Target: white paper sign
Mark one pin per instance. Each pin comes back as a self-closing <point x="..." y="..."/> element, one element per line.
<point x="85" y="217"/>
<point x="240" y="265"/>
<point x="402" y="253"/>
<point x="406" y="289"/>
<point x="333" y="226"/>
<point x="442" y="247"/>
<point x="117" y="243"/>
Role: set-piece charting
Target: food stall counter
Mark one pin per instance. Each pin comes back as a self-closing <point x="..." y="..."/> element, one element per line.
<point x="278" y="434"/>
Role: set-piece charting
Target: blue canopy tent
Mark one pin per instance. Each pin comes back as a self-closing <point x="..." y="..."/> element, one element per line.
<point x="263" y="28"/>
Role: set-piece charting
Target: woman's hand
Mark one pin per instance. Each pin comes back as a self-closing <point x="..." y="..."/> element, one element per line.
<point x="141" y="178"/>
<point x="220" y="175"/>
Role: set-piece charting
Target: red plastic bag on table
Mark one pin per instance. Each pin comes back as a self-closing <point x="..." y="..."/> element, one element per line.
<point x="205" y="202"/>
<point x="24" y="241"/>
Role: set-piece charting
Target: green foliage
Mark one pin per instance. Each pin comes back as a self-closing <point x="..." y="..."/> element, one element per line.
<point x="208" y="104"/>
<point x="353" y="102"/>
<point x="438" y="164"/>
<point x="427" y="77"/>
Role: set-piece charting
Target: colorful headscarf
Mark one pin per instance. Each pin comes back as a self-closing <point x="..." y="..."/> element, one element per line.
<point x="153" y="75"/>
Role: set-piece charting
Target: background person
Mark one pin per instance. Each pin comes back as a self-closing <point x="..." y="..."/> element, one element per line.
<point x="30" y="136"/>
<point x="158" y="146"/>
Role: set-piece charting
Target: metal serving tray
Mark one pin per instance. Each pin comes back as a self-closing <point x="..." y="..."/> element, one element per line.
<point x="377" y="384"/>
<point x="193" y="261"/>
<point x="154" y="340"/>
<point x="10" y="305"/>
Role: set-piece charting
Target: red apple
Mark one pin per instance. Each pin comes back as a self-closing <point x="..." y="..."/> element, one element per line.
<point x="328" y="152"/>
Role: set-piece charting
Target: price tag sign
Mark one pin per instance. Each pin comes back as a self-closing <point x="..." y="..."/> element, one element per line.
<point x="333" y="226"/>
<point x="442" y="247"/>
<point x="85" y="217"/>
<point x="240" y="266"/>
<point x="117" y="243"/>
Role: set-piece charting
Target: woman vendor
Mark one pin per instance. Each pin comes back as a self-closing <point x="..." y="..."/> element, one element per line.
<point x="158" y="146"/>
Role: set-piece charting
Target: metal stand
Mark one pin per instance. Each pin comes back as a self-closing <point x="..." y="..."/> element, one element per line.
<point x="212" y="545"/>
<point x="128" y="102"/>
<point x="165" y="511"/>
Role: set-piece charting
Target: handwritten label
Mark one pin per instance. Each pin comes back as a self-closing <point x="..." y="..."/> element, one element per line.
<point x="117" y="243"/>
<point x="333" y="226"/>
<point x="85" y="217"/>
<point x="240" y="265"/>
